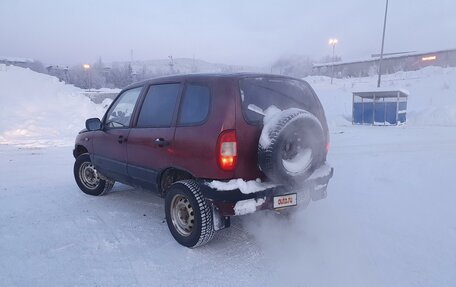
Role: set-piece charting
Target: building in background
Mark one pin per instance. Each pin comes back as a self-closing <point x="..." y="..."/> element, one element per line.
<point x="393" y="62"/>
<point x="61" y="72"/>
<point x="17" y="61"/>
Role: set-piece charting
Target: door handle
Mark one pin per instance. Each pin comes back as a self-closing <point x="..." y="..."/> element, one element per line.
<point x="161" y="142"/>
<point x="121" y="139"/>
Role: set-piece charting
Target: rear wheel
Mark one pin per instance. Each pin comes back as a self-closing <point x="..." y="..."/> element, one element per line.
<point x="88" y="178"/>
<point x="188" y="215"/>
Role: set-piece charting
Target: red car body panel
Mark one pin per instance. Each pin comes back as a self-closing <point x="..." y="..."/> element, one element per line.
<point x="195" y="146"/>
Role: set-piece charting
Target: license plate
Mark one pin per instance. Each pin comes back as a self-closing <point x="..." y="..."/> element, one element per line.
<point x="284" y="200"/>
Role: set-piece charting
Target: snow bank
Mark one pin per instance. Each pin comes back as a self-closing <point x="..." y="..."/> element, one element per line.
<point x="431" y="101"/>
<point x="38" y="110"/>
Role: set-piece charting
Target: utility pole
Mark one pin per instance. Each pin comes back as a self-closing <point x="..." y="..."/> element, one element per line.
<point x="333" y="43"/>
<point x="87" y="68"/>
<point x="171" y="64"/>
<point x="383" y="44"/>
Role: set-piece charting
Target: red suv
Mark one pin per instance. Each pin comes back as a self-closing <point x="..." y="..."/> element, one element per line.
<point x="213" y="145"/>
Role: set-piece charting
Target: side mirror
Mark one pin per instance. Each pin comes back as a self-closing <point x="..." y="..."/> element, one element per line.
<point x="93" y="124"/>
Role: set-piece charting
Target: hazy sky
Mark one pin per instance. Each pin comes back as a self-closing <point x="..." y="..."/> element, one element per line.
<point x="254" y="32"/>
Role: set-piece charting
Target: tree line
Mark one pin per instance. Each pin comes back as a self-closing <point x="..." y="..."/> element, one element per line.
<point x="119" y="75"/>
<point x="96" y="76"/>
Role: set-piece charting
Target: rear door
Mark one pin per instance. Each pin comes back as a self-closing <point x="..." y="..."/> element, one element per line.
<point x="196" y="137"/>
<point x="150" y="143"/>
<point x="109" y="144"/>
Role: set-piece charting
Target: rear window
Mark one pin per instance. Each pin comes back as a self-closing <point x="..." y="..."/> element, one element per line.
<point x="194" y="105"/>
<point x="283" y="93"/>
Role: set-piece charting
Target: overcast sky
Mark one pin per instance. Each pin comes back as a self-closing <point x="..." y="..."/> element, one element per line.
<point x="250" y="32"/>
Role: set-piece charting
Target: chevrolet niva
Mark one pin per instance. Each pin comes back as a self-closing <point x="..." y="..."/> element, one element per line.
<point x="213" y="145"/>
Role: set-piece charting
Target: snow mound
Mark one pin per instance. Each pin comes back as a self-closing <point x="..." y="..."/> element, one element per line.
<point x="431" y="101"/>
<point x="38" y="110"/>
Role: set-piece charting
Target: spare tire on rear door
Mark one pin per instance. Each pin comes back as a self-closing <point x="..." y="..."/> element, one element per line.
<point x="292" y="145"/>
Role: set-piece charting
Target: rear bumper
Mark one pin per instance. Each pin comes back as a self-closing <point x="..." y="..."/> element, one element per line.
<point x="234" y="202"/>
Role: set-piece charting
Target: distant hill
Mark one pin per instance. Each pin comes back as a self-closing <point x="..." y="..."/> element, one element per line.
<point x="184" y="65"/>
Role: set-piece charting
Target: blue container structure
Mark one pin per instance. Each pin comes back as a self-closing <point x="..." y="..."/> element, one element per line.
<point x="379" y="107"/>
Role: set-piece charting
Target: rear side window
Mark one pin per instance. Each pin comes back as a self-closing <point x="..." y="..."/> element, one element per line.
<point x="283" y="93"/>
<point x="195" y="105"/>
<point x="158" y="107"/>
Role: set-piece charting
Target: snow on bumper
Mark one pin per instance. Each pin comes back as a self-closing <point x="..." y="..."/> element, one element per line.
<point x="239" y="197"/>
<point x="248" y="206"/>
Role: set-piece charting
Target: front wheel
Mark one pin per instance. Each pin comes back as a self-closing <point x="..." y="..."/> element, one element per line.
<point x="88" y="179"/>
<point x="188" y="215"/>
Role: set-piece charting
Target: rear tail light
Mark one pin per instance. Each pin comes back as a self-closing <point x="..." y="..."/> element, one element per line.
<point x="227" y="150"/>
<point x="327" y="148"/>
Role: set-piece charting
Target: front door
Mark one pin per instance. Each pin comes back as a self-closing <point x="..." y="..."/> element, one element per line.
<point x="150" y="142"/>
<point x="110" y="143"/>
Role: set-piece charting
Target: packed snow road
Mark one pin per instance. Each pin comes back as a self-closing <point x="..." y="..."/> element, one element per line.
<point x="388" y="221"/>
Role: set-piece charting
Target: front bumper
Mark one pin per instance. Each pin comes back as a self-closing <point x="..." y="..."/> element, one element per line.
<point x="234" y="202"/>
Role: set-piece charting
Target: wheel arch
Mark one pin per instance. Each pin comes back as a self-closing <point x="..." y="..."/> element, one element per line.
<point x="171" y="175"/>
<point x="78" y="150"/>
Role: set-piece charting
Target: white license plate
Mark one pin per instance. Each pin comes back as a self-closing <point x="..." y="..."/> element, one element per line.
<point x="284" y="200"/>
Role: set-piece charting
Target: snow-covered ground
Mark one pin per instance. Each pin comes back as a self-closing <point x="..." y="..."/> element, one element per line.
<point x="389" y="219"/>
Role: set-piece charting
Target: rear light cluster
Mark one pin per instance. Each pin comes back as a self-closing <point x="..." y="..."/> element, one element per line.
<point x="227" y="150"/>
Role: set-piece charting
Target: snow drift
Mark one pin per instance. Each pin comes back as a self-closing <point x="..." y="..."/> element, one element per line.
<point x="38" y="110"/>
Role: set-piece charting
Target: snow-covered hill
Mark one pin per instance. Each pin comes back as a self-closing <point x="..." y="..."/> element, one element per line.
<point x="185" y="65"/>
<point x="38" y="110"/>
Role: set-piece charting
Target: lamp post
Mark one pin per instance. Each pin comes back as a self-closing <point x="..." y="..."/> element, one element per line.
<point x="333" y="43"/>
<point x="383" y="43"/>
<point x="86" y="68"/>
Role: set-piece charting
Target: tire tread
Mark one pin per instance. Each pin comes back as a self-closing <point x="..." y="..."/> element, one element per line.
<point x="205" y="210"/>
<point x="266" y="154"/>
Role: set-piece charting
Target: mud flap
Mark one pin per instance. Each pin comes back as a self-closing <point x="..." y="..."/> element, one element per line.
<point x="220" y="222"/>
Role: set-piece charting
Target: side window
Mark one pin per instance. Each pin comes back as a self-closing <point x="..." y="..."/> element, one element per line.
<point x="119" y="114"/>
<point x="195" y="105"/>
<point x="158" y="107"/>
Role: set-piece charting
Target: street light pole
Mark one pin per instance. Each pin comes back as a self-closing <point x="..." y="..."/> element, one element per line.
<point x="333" y="42"/>
<point x="383" y="44"/>
<point x="86" y="68"/>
